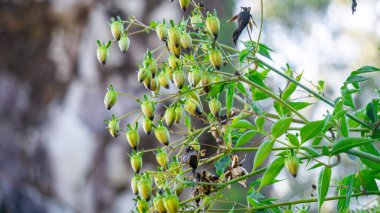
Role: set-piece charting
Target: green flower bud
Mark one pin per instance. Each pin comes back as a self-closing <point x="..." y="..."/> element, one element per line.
<point x="178" y="114"/>
<point x="158" y="204"/>
<point x="171" y="203"/>
<point x="186" y="41"/>
<point x="113" y="126"/>
<point x="136" y="161"/>
<point x="147" y="108"/>
<point x="153" y="85"/>
<point x="142" y="206"/>
<point x="174" y="62"/>
<point x="110" y="98"/>
<point x="162" y="31"/>
<point x="124" y="43"/>
<point x="134" y="182"/>
<point x="117" y="29"/>
<point x="178" y="78"/>
<point x="175" y="166"/>
<point x="169" y="116"/>
<point x="147" y="125"/>
<point x="175" y="50"/>
<point x="215" y="106"/>
<point x="194" y="77"/>
<point x="145" y="186"/>
<point x="216" y="58"/>
<point x="169" y="72"/>
<point x="206" y="80"/>
<point x="162" y="157"/>
<point x="174" y="35"/>
<point x="144" y="74"/>
<point x="213" y="25"/>
<point x="184" y="4"/>
<point x="162" y="135"/>
<point x="292" y="164"/>
<point x="163" y="80"/>
<point x="102" y="52"/>
<point x="133" y="137"/>
<point x="196" y="20"/>
<point x="157" y="91"/>
<point x="192" y="107"/>
<point x="151" y="65"/>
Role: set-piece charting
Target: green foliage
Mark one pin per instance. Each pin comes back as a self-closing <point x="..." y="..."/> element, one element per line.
<point x="222" y="99"/>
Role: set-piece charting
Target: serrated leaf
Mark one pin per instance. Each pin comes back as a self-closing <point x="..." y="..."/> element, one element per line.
<point x="280" y="127"/>
<point x="243" y="124"/>
<point x="272" y="171"/>
<point x="262" y="153"/>
<point x="323" y="186"/>
<point x="346" y="144"/>
<point x="346" y="190"/>
<point x="222" y="164"/>
<point x="245" y="138"/>
<point x="311" y="130"/>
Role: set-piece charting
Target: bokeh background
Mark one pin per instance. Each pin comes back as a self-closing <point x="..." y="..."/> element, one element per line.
<point x="55" y="153"/>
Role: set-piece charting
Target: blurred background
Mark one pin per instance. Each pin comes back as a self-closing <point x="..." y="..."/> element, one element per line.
<point x="55" y="153"/>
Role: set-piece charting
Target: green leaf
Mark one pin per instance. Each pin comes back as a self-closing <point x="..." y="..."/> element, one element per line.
<point x="346" y="144"/>
<point x="346" y="190"/>
<point x="243" y="124"/>
<point x="216" y="89"/>
<point x="371" y="149"/>
<point x="280" y="127"/>
<point x="311" y="130"/>
<point x="372" y="110"/>
<point x="311" y="151"/>
<point x="241" y="88"/>
<point x="355" y="79"/>
<point x="262" y="153"/>
<point x="245" y="138"/>
<point x="243" y="55"/>
<point x="290" y="89"/>
<point x="293" y="139"/>
<point x="230" y="98"/>
<point x="315" y="166"/>
<point x="260" y="121"/>
<point x="368" y="180"/>
<point x="323" y="186"/>
<point x="256" y="108"/>
<point x="222" y="164"/>
<point x="344" y="127"/>
<point x="272" y="171"/>
<point x="365" y="69"/>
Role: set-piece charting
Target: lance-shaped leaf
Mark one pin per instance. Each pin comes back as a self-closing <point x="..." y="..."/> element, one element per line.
<point x="311" y="130"/>
<point x="272" y="171"/>
<point x="262" y="153"/>
<point x="346" y="144"/>
<point x="323" y="185"/>
<point x="280" y="127"/>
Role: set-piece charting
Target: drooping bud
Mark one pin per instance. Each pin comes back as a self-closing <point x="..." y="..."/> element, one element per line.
<point x="103" y="52"/>
<point x="169" y="116"/>
<point x="162" y="157"/>
<point x="157" y="91"/>
<point x="133" y="136"/>
<point x="216" y="58"/>
<point x="113" y="126"/>
<point x="142" y="206"/>
<point x="163" y="80"/>
<point x="206" y="81"/>
<point x="213" y="25"/>
<point x="194" y="77"/>
<point x="145" y="186"/>
<point x="162" y="134"/>
<point x="169" y="71"/>
<point x="134" y="182"/>
<point x="184" y="4"/>
<point x="124" y="43"/>
<point x="174" y="49"/>
<point x="171" y="203"/>
<point x="178" y="114"/>
<point x="192" y="107"/>
<point x="215" y="106"/>
<point x="174" y="36"/>
<point x="174" y="62"/>
<point x="162" y="31"/>
<point x="178" y="78"/>
<point x="150" y="63"/>
<point x="136" y="161"/>
<point x="110" y="98"/>
<point x="147" y="125"/>
<point x="158" y="204"/>
<point x="292" y="164"/>
<point x="144" y="75"/>
<point x="117" y="29"/>
<point x="153" y="84"/>
<point x="193" y="94"/>
<point x="147" y="108"/>
<point x="196" y="20"/>
<point x="186" y="41"/>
